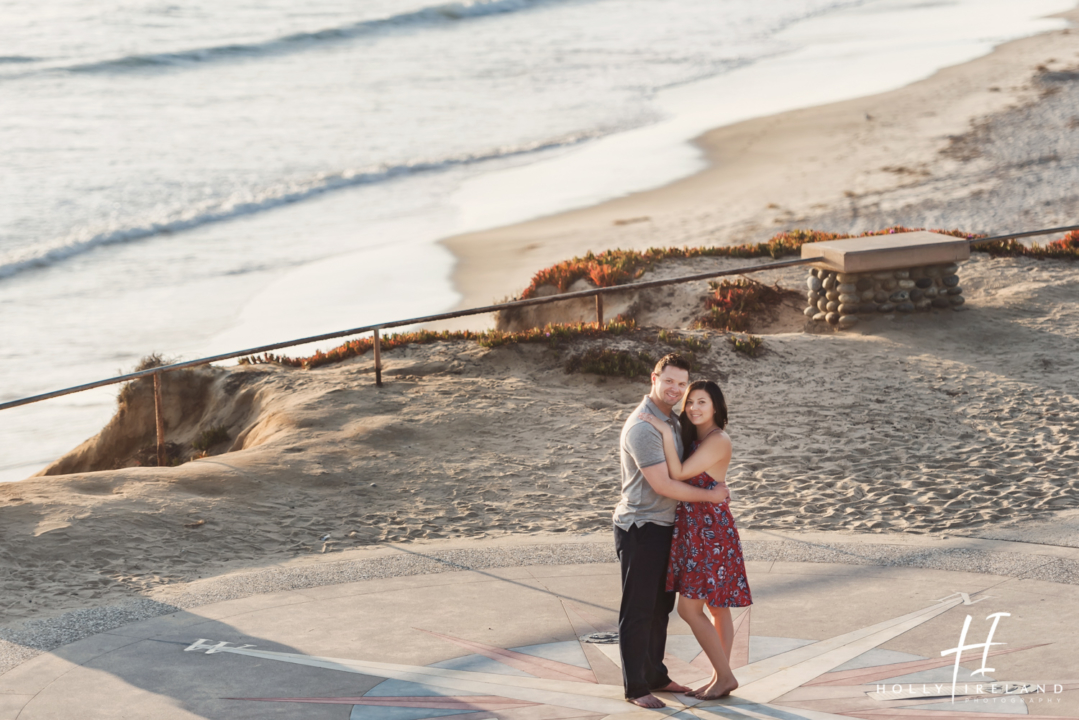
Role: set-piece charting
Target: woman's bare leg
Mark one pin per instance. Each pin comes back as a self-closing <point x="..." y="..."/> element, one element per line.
<point x="724" y="625"/>
<point x="723" y="681"/>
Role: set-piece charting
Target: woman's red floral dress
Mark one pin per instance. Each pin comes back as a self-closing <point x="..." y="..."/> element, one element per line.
<point x="706" y="553"/>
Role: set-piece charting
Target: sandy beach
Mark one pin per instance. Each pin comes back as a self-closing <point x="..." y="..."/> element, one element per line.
<point x="958" y="423"/>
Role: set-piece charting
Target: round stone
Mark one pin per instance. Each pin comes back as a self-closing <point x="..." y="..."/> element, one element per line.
<point x="813" y="283"/>
<point x="822" y="304"/>
<point x="924" y="282"/>
<point x="848" y="308"/>
<point x="889" y="285"/>
<point x="941" y="302"/>
<point x="832" y="295"/>
<point x="880" y="296"/>
<point x="905" y="307"/>
<point x="847" y="277"/>
<point x="931" y="292"/>
<point x="956" y="300"/>
<point x="864" y="284"/>
<point x="832" y="306"/>
<point x="955" y="291"/>
<point x="885" y="307"/>
<point x="901" y="274"/>
<point x="951" y="280"/>
<point x="819" y="316"/>
<point x="846" y="321"/>
<point x="916" y="295"/>
<point x="916" y="273"/>
<point x="932" y="271"/>
<point x="867" y="294"/>
<point x="905" y="284"/>
<point x="829" y="282"/>
<point x="899" y="296"/>
<point x="923" y="304"/>
<point x="867" y="308"/>
<point x="810" y="311"/>
<point x="814" y="272"/>
<point x="849" y="298"/>
<point x="812" y="296"/>
<point x="832" y="318"/>
<point x="883" y="275"/>
<point x="949" y="269"/>
<point x="847" y="288"/>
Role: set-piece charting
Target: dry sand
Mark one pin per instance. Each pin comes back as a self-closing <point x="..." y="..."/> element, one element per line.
<point x="961" y="422"/>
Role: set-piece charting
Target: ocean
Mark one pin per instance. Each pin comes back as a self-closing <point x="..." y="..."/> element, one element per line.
<point x="193" y="178"/>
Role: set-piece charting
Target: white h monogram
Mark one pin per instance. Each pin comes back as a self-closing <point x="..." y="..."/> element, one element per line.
<point x="995" y="617"/>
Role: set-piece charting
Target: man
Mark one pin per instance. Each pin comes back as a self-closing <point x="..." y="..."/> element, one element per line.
<point x="643" y="526"/>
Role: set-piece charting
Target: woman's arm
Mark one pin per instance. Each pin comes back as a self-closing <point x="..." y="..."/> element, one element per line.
<point x="714" y="449"/>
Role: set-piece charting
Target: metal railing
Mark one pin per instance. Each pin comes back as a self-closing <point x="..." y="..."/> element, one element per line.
<point x="598" y="293"/>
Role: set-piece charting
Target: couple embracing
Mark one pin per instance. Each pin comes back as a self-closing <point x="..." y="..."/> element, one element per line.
<point x="674" y="533"/>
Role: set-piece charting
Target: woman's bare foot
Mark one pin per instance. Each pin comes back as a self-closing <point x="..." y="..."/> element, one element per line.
<point x="711" y="681"/>
<point x="716" y="689"/>
<point x="647" y="701"/>
<point x="674" y="687"/>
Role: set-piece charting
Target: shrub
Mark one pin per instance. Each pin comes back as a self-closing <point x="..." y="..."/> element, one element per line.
<point x="686" y="342"/>
<point x="733" y="304"/>
<point x="750" y="345"/>
<point x="210" y="437"/>
<point x="611" y="363"/>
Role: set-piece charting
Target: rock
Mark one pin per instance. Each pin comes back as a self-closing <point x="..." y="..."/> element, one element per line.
<point x="885" y="307"/>
<point x="847" y="277"/>
<point x="864" y="284"/>
<point x="814" y="272"/>
<point x="846" y="321"/>
<point x="899" y="296"/>
<point x="819" y="316"/>
<point x="813" y="296"/>
<point x="829" y="283"/>
<point x="867" y="308"/>
<point x="949" y="269"/>
<point x="847" y="289"/>
<point x="849" y="298"/>
<point x="822" y="304"/>
<point x="887" y="275"/>
<point x="941" y="302"/>
<point x="955" y="291"/>
<point x="832" y="306"/>
<point x="932" y="271"/>
<point x="906" y="284"/>
<point x="951" y="280"/>
<point x="813" y="283"/>
<point x="880" y="296"/>
<point x="832" y="295"/>
<point x="901" y="274"/>
<point x="924" y="282"/>
<point x="923" y="304"/>
<point x="956" y="300"/>
<point x="916" y="295"/>
<point x="905" y="307"/>
<point x="847" y="308"/>
<point x="832" y="318"/>
<point x="810" y="311"/>
<point x="931" y="292"/>
<point x="917" y="273"/>
<point x="867" y="294"/>
<point x="889" y="285"/>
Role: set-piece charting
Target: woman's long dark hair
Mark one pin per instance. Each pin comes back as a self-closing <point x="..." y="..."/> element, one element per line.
<point x="719" y="406"/>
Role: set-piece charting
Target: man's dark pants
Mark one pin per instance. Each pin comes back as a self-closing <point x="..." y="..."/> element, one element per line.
<point x="643" y="552"/>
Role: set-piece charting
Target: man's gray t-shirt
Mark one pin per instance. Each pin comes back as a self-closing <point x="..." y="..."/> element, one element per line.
<point x="642" y="446"/>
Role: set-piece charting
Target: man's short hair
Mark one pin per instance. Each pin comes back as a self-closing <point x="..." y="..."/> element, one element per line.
<point x="672" y="360"/>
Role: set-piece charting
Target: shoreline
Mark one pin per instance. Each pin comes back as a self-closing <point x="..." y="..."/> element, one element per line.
<point x="775" y="173"/>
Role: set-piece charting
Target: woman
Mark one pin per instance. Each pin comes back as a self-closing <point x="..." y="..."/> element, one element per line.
<point x="706" y="565"/>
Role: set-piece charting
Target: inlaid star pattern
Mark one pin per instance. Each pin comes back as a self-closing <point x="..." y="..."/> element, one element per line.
<point x="584" y="681"/>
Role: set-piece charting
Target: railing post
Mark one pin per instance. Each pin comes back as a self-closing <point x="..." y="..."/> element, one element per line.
<point x="378" y="360"/>
<point x="159" y="417"/>
<point x="599" y="312"/>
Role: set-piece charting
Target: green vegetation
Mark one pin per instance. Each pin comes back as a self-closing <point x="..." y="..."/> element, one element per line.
<point x="210" y="437"/>
<point x="611" y="363"/>
<point x="552" y="335"/>
<point x="750" y="345"/>
<point x="685" y="342"/>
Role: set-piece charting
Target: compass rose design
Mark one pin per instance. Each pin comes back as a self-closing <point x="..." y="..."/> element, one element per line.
<point x="794" y="680"/>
